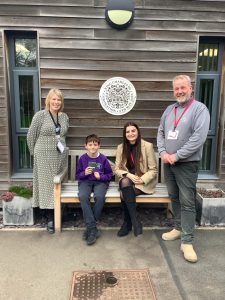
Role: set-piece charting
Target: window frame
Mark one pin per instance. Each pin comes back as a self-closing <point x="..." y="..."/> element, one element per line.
<point x="216" y="101"/>
<point x="14" y="73"/>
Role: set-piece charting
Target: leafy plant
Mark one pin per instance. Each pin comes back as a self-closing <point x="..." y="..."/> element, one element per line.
<point x="17" y="190"/>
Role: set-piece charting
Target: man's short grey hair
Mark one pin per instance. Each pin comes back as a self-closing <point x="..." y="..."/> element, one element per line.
<point x="182" y="77"/>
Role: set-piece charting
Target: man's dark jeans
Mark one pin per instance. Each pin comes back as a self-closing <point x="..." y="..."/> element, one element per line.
<point x="91" y="215"/>
<point x="181" y="179"/>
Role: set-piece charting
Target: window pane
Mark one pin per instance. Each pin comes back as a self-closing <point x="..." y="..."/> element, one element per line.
<point x="206" y="93"/>
<point x="26" y="100"/>
<point x="208" y="57"/>
<point x="25" y="52"/>
<point x="205" y="162"/>
<point x="25" y="159"/>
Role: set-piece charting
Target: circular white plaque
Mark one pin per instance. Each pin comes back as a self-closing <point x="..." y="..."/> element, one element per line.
<point x="117" y="96"/>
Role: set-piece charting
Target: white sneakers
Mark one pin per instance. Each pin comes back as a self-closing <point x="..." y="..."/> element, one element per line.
<point x="171" y="235"/>
<point x="187" y="249"/>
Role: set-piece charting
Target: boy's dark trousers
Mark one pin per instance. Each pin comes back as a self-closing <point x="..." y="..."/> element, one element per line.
<point x="91" y="215"/>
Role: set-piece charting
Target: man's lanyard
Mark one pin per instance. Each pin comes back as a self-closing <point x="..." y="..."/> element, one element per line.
<point x="57" y="125"/>
<point x="184" y="111"/>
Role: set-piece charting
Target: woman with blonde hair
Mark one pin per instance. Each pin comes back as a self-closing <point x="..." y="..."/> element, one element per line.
<point x="46" y="142"/>
<point x="136" y="168"/>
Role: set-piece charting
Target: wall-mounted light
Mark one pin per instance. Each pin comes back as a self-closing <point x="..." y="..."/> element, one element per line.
<point x="119" y="13"/>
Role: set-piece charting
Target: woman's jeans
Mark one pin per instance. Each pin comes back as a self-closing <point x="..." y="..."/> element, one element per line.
<point x="181" y="179"/>
<point x="91" y="215"/>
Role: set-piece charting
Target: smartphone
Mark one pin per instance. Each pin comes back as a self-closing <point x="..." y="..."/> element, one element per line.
<point x="92" y="165"/>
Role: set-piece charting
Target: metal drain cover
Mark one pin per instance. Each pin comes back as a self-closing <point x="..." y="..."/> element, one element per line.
<point x="112" y="285"/>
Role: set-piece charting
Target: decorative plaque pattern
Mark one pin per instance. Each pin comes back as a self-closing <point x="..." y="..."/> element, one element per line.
<point x="117" y="96"/>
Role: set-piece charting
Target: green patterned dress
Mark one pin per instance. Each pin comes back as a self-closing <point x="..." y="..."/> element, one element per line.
<point x="48" y="162"/>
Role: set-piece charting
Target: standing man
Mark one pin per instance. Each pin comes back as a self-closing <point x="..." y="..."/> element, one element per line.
<point x="182" y="132"/>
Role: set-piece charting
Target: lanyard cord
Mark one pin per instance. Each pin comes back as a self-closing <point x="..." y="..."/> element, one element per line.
<point x="132" y="158"/>
<point x="56" y="124"/>
<point x="184" y="111"/>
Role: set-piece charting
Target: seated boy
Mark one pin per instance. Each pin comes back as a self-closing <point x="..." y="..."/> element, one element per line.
<point x="93" y="173"/>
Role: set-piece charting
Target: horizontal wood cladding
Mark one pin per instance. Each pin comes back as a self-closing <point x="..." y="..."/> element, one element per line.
<point x="100" y="75"/>
<point x="104" y="132"/>
<point x="47" y="22"/>
<point x="106" y="142"/>
<point x="2" y="103"/>
<point x="115" y="55"/>
<point x="49" y="2"/>
<point x="3" y="127"/>
<point x="146" y="121"/>
<point x="96" y="85"/>
<point x="4" y="150"/>
<point x="98" y="113"/>
<point x="3" y="139"/>
<point x="117" y="44"/>
<point x="36" y="22"/>
<point x="4" y="175"/>
<point x="141" y="107"/>
<point x="140" y="104"/>
<point x="66" y="32"/>
<point x="95" y="12"/>
<point x="184" y="5"/>
<point x="117" y="65"/>
<point x="94" y="95"/>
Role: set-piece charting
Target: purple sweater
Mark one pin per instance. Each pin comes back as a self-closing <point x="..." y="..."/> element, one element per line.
<point x="102" y="167"/>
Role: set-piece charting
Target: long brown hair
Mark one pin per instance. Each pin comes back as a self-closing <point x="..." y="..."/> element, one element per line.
<point x="126" y="148"/>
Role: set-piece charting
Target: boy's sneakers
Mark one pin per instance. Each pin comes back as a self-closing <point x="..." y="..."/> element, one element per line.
<point x="91" y="235"/>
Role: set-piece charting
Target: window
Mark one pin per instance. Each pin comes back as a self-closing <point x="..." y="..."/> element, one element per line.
<point x="24" y="94"/>
<point x="208" y="92"/>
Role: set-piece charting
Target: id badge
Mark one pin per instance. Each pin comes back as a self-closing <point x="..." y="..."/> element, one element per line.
<point x="173" y="135"/>
<point x="60" y="147"/>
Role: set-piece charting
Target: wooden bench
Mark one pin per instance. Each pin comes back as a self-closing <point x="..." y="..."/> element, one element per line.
<point x="66" y="188"/>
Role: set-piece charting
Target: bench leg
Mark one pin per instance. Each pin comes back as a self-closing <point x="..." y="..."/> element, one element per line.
<point x="58" y="218"/>
<point x="169" y="213"/>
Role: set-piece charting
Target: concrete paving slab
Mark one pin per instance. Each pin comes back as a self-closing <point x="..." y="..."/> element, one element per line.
<point x="204" y="280"/>
<point x="35" y="265"/>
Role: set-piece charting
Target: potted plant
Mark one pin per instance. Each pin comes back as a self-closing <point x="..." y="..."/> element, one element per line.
<point x="17" y="205"/>
<point x="212" y="202"/>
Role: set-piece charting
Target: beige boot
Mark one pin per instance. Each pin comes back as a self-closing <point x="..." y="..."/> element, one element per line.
<point x="189" y="252"/>
<point x="171" y="235"/>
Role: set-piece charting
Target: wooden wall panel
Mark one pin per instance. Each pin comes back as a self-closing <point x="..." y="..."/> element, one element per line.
<point x="118" y="55"/>
<point x="117" y="66"/>
<point x="79" y="51"/>
<point x="185" y="5"/>
<point x="60" y="3"/>
<point x="99" y="75"/>
<point x="117" y="44"/>
<point x="4" y="155"/>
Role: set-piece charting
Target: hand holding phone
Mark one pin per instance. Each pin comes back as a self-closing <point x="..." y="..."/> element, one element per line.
<point x="92" y="165"/>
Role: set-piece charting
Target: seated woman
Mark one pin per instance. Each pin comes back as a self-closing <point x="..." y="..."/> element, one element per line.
<point x="136" y="168"/>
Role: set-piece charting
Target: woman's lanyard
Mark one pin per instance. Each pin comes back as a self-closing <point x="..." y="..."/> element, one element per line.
<point x="184" y="111"/>
<point x="57" y="125"/>
<point x="132" y="158"/>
